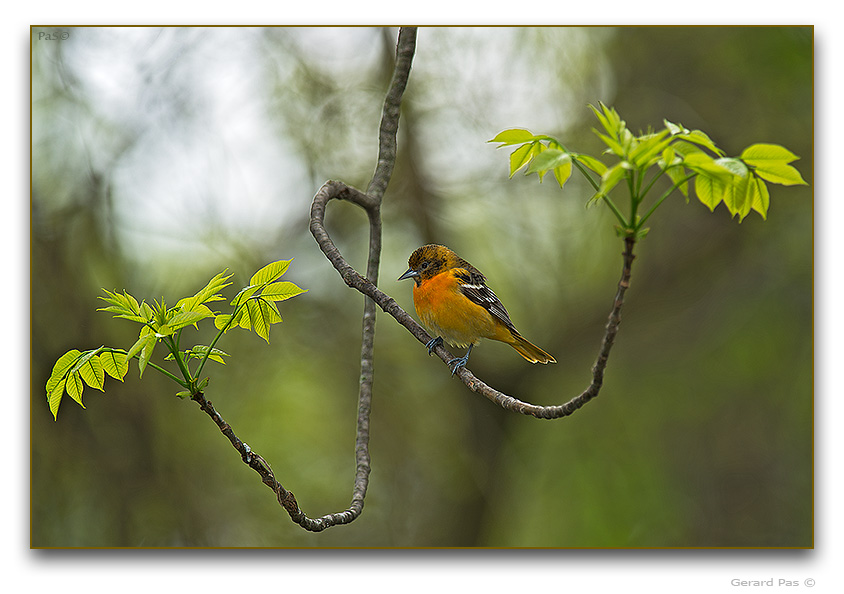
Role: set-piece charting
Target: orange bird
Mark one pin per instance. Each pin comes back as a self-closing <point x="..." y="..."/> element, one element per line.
<point x="452" y="300"/>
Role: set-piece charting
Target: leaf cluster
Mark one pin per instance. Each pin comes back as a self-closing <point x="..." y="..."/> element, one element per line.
<point x="684" y="156"/>
<point x="254" y="307"/>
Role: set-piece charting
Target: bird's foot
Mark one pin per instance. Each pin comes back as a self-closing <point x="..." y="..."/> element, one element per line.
<point x="434" y="343"/>
<point x="457" y="363"/>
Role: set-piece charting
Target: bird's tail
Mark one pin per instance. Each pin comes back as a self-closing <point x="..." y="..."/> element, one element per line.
<point x="530" y="351"/>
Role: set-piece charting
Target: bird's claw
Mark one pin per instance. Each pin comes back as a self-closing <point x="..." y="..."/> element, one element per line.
<point x="457" y="363"/>
<point x="434" y="343"/>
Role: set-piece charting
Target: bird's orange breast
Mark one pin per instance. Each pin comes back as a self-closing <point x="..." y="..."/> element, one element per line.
<point x="446" y="312"/>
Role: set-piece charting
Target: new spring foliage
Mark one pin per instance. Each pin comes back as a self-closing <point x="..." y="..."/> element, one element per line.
<point x="686" y="157"/>
<point x="254" y="307"/>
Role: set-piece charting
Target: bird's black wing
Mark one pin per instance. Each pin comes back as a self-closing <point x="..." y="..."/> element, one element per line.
<point x="473" y="286"/>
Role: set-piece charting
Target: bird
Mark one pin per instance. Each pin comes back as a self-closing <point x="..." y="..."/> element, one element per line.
<point x="454" y="303"/>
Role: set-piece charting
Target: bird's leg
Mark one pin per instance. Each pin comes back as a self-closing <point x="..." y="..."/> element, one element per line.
<point x="434" y="343"/>
<point x="459" y="362"/>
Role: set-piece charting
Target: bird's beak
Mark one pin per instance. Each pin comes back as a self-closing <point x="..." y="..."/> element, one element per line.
<point x="409" y="274"/>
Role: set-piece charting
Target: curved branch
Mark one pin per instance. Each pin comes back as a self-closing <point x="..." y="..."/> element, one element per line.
<point x="387" y="143"/>
<point x="371" y="202"/>
<point x="337" y="190"/>
<point x="564" y="410"/>
<point x="259" y="465"/>
<point x="387" y="149"/>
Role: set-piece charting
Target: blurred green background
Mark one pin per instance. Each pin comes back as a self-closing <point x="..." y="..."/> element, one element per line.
<point x="162" y="156"/>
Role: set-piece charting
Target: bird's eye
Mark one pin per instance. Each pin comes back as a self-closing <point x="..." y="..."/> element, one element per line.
<point x="424" y="265"/>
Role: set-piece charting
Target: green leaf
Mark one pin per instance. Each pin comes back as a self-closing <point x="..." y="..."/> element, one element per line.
<point x="119" y="314"/>
<point x="547" y="160"/>
<point x="147" y="312"/>
<point x="592" y="163"/>
<point x="762" y="199"/>
<point x="208" y="293"/>
<point x="619" y="139"/>
<point x="536" y="148"/>
<point x="671" y="164"/>
<point x="61" y="367"/>
<point x="739" y="197"/>
<point x="613" y="144"/>
<point x="242" y="319"/>
<point x="74" y="387"/>
<point x="198" y="309"/>
<point x="269" y="273"/>
<point x="143" y="348"/>
<point x="162" y="330"/>
<point x="66" y="377"/>
<point x="679" y="178"/>
<point x="281" y="290"/>
<point x="215" y="355"/>
<point x="54" y="397"/>
<point x="734" y="166"/>
<point x="160" y="316"/>
<point x="124" y="303"/>
<point x="199" y="351"/>
<point x="781" y="174"/>
<point x="222" y="320"/>
<point x="609" y="119"/>
<point x="669" y="160"/>
<point x="520" y="157"/>
<point x="244" y="294"/>
<point x="685" y="149"/>
<point x="675" y="129"/>
<point x="709" y="191"/>
<point x="602" y="117"/>
<point x="146" y="355"/>
<point x="513" y="136"/>
<point x="703" y="164"/>
<point x="700" y="138"/>
<point x="649" y="147"/>
<point x="759" y="154"/>
<point x="263" y="314"/>
<point x="125" y="306"/>
<point x="145" y="336"/>
<point x="115" y="364"/>
<point x="92" y="372"/>
<point x="610" y="179"/>
<point x="743" y="193"/>
<point x="186" y="318"/>
<point x="612" y="176"/>
<point x="697" y="137"/>
<point x="563" y="172"/>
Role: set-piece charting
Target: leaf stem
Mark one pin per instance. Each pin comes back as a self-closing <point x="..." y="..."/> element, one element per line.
<point x="616" y="212"/>
<point x="219" y="335"/>
<point x="634" y="199"/>
<point x="158" y="368"/>
<point x="595" y="185"/>
<point x="177" y="355"/>
<point x="652" y="182"/>
<point x="662" y="198"/>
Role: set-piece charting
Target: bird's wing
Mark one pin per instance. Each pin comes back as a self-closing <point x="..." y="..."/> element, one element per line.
<point x="473" y="286"/>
